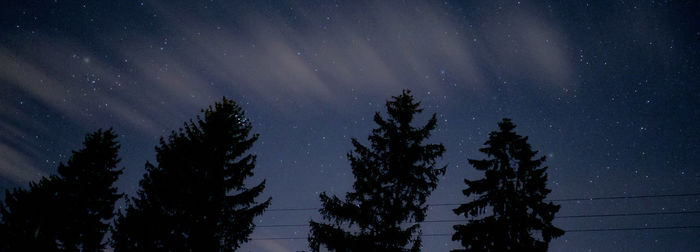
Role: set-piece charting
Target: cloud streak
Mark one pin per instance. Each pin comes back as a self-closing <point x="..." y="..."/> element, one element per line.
<point x="300" y="53"/>
<point x="17" y="166"/>
<point x="375" y="48"/>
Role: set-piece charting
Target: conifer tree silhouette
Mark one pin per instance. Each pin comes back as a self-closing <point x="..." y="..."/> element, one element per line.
<point x="69" y="211"/>
<point x="509" y="210"/>
<point x="393" y="178"/>
<point x="195" y="198"/>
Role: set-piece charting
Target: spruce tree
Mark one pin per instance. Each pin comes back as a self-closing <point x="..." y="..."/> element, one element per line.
<point x="509" y="212"/>
<point x="394" y="175"/>
<point x="69" y="211"/>
<point x="195" y="198"/>
<point x="29" y="221"/>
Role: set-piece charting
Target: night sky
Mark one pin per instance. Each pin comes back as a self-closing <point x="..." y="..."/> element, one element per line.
<point x="609" y="91"/>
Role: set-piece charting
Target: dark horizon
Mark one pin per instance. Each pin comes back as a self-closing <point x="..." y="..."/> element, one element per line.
<point x="608" y="92"/>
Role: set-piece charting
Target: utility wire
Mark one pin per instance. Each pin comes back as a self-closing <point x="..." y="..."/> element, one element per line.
<point x="292" y="209"/>
<point x="554" y="200"/>
<point x="626" y="214"/>
<point x="631" y="229"/>
<point x="569" y="231"/>
<point x="599" y="198"/>
<point x="631" y="197"/>
<point x="556" y="217"/>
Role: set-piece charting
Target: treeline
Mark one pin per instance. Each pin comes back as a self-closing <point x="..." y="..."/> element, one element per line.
<point x="194" y="197"/>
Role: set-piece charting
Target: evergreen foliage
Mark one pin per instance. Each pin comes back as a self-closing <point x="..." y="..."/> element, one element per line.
<point x="509" y="212"/>
<point x="195" y="198"/>
<point x="393" y="178"/>
<point x="69" y="211"/>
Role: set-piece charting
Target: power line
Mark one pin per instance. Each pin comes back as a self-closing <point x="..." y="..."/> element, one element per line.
<point x="599" y="198"/>
<point x="554" y="200"/>
<point x="292" y="209"/>
<point x="570" y="231"/>
<point x="557" y="217"/>
<point x="626" y="214"/>
<point x="281" y="225"/>
<point x="630" y="197"/>
<point x="631" y="229"/>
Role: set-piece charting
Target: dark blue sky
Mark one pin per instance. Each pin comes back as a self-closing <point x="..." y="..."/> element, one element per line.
<point x="608" y="90"/>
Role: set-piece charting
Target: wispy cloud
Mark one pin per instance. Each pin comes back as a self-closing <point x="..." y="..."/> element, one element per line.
<point x="152" y="81"/>
<point x="17" y="166"/>
<point x="72" y="83"/>
<point x="271" y="245"/>
<point x="375" y="47"/>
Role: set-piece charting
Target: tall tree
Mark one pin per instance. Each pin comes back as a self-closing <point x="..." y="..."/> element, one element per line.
<point x="509" y="212"/>
<point x="195" y="198"/>
<point x="393" y="178"/>
<point x="69" y="211"/>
